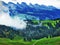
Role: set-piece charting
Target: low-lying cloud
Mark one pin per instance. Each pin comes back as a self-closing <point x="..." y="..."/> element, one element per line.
<point x="6" y="19"/>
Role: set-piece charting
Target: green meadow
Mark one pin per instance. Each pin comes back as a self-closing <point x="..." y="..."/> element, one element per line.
<point x="43" y="41"/>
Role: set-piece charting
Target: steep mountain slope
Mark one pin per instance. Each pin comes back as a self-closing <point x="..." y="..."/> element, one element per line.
<point x="41" y="11"/>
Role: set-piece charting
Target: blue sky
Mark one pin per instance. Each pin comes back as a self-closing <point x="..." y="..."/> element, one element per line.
<point x="55" y="3"/>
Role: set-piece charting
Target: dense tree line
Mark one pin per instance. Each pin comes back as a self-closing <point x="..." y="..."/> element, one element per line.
<point x="32" y="31"/>
<point x="7" y="32"/>
<point x="38" y="32"/>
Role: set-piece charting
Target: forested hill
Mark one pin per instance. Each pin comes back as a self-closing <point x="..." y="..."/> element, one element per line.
<point x="34" y="30"/>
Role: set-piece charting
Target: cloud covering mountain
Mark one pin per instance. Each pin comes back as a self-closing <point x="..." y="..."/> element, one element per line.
<point x="6" y="19"/>
<point x="10" y="13"/>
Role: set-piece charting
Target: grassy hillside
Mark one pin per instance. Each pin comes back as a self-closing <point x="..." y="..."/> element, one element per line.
<point x="43" y="41"/>
<point x="52" y="23"/>
<point x="49" y="41"/>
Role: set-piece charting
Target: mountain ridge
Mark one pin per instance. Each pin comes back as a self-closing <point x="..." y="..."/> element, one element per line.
<point x="41" y="11"/>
